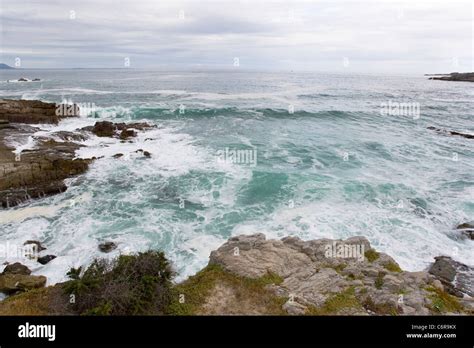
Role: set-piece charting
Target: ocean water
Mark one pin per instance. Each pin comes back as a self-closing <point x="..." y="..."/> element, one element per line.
<point x="328" y="163"/>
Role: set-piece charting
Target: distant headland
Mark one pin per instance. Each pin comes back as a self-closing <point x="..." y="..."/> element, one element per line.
<point x="454" y="76"/>
<point x="5" y="66"/>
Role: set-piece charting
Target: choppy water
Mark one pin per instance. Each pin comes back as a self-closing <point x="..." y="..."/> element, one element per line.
<point x="335" y="167"/>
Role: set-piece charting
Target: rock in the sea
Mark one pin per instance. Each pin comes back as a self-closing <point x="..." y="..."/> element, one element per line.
<point x="457" y="278"/>
<point x="104" y="129"/>
<point x="467" y="229"/>
<point x="45" y="259"/>
<point x="110" y="129"/>
<point x="107" y="247"/>
<point x="449" y="132"/>
<point x="22" y="79"/>
<point x="146" y="154"/>
<point x="118" y="155"/>
<point x="69" y="136"/>
<point x="127" y="133"/>
<point x="16" y="268"/>
<point x="11" y="283"/>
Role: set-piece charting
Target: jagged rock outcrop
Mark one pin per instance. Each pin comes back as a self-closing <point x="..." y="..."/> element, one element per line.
<point x="31" y="111"/>
<point x="36" y="173"/>
<point x="119" y="130"/>
<point x="39" y="172"/>
<point x="16" y="268"/>
<point x="16" y="277"/>
<point x="457" y="278"/>
<point x="319" y="273"/>
<point x="466" y="229"/>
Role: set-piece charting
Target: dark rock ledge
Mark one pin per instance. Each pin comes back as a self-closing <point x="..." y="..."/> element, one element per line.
<point x="41" y="171"/>
<point x="455" y="76"/>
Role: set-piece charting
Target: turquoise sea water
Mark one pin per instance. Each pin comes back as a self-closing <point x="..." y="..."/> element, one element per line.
<point x="329" y="164"/>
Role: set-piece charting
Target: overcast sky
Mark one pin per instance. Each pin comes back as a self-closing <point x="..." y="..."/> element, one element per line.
<point x="419" y="36"/>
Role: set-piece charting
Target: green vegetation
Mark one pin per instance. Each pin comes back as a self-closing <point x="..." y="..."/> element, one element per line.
<point x="392" y="267"/>
<point x="190" y="296"/>
<point x="340" y="267"/>
<point x="337" y="303"/>
<point x="350" y="276"/>
<point x="27" y="303"/>
<point x="129" y="285"/>
<point x="371" y="255"/>
<point x="379" y="280"/>
<point x="442" y="302"/>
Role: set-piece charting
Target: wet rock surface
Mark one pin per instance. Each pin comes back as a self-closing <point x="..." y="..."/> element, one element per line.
<point x="36" y="173"/>
<point x="466" y="229"/>
<point x="46" y="259"/>
<point x="16" y="268"/>
<point x="40" y="171"/>
<point x="457" y="278"/>
<point x="28" y="111"/>
<point x="118" y="130"/>
<point x="107" y="247"/>
<point x="449" y="132"/>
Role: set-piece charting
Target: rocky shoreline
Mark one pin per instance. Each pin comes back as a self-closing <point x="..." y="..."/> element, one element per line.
<point x="248" y="274"/>
<point x="455" y="76"/>
<point x="40" y="171"/>
<point x="290" y="277"/>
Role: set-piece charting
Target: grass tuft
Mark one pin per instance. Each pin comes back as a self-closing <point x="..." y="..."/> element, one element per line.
<point x="337" y="303"/>
<point x="442" y="302"/>
<point x="392" y="267"/>
<point x="371" y="255"/>
<point x="190" y="296"/>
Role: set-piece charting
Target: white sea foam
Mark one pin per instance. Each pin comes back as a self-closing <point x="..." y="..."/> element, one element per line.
<point x="133" y="199"/>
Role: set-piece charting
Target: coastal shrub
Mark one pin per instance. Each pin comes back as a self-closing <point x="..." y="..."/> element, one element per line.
<point x="337" y="303"/>
<point x="392" y="267"/>
<point x="371" y="255"/>
<point x="442" y="302"/>
<point x="379" y="280"/>
<point x="128" y="285"/>
<point x="340" y="267"/>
